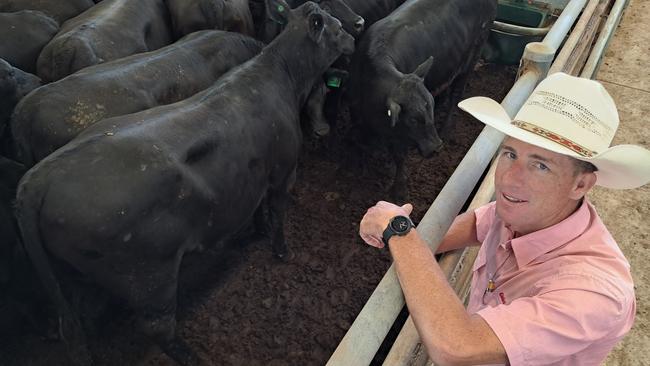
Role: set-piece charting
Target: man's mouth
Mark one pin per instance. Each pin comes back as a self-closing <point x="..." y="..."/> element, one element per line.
<point x="512" y="199"/>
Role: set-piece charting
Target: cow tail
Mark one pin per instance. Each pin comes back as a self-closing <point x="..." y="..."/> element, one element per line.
<point x="30" y="197"/>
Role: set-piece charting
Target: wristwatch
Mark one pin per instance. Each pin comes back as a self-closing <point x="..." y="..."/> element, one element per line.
<point x="398" y="225"/>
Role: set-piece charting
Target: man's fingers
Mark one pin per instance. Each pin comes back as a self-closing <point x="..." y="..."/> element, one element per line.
<point x="371" y="240"/>
<point x="408" y="208"/>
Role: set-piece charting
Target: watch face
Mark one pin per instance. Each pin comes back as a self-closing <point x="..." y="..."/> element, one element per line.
<point x="400" y="224"/>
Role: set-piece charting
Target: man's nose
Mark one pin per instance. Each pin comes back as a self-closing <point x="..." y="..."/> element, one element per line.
<point x="514" y="173"/>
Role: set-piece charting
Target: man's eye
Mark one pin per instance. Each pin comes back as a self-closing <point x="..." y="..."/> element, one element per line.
<point x="541" y="166"/>
<point x="510" y="155"/>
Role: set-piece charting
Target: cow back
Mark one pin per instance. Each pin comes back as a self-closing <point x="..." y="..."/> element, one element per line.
<point x="23" y="35"/>
<point x="449" y="31"/>
<point x="60" y="10"/>
<point x="108" y="31"/>
<point x="56" y="113"/>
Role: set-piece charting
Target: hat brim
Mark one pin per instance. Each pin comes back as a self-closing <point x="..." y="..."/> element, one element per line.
<point x="619" y="167"/>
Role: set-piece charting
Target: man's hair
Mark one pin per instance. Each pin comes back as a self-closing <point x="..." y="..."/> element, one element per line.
<point x="581" y="166"/>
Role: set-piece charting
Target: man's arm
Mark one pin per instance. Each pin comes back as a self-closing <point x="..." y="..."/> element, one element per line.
<point x="450" y="335"/>
<point x="461" y="233"/>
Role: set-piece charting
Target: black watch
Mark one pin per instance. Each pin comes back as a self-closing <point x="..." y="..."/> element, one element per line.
<point x="398" y="225"/>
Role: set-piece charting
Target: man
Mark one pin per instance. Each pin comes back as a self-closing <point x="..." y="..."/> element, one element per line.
<point x="550" y="285"/>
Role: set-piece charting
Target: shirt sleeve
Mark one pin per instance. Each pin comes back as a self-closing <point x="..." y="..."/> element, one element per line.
<point x="484" y="217"/>
<point x="560" y="321"/>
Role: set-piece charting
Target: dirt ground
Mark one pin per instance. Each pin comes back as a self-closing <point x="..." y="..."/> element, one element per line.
<point x="241" y="306"/>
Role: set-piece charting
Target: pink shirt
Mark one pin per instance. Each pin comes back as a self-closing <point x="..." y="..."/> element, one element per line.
<point x="564" y="295"/>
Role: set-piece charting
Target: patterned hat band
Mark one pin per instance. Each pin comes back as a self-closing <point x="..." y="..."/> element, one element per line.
<point x="571" y="145"/>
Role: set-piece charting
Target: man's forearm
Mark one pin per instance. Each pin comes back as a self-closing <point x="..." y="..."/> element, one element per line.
<point x="450" y="335"/>
<point x="461" y="233"/>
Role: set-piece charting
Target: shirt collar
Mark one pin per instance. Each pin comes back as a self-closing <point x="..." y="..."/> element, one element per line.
<point x="535" y="244"/>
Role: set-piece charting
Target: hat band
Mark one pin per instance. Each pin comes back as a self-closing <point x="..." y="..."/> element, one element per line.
<point x="571" y="145"/>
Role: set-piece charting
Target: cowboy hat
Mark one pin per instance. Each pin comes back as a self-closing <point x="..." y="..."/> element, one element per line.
<point x="575" y="117"/>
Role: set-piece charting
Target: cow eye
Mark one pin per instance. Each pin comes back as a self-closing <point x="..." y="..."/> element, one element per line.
<point x="318" y="22"/>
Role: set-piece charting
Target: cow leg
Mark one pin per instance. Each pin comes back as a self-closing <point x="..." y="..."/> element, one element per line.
<point x="452" y="97"/>
<point x="160" y="325"/>
<point x="314" y="109"/>
<point x="261" y="221"/>
<point x="156" y="317"/>
<point x="399" y="191"/>
<point x="278" y="202"/>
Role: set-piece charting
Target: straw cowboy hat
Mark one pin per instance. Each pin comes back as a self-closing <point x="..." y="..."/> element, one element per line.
<point x="575" y="117"/>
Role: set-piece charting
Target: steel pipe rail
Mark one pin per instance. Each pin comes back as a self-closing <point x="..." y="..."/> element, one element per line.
<point x="519" y="30"/>
<point x="596" y="56"/>
<point x="367" y="332"/>
<point x="572" y="41"/>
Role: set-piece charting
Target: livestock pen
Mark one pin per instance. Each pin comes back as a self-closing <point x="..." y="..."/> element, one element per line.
<point x="239" y="306"/>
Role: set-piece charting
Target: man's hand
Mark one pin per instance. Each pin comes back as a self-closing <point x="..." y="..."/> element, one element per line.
<point x="376" y="219"/>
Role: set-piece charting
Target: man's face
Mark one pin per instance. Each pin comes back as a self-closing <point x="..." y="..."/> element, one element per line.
<point x="536" y="188"/>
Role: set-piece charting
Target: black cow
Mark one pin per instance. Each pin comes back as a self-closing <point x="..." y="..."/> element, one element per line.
<point x="56" y="113"/>
<point x="109" y="30"/>
<point x="352" y="23"/>
<point x="123" y="202"/>
<point x="23" y="35"/>
<point x="191" y="15"/>
<point x="60" y="10"/>
<point x="14" y="85"/>
<point x="425" y="48"/>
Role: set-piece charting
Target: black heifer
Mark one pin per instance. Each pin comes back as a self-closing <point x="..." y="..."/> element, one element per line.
<point x="351" y="22"/>
<point x="124" y="201"/>
<point x="56" y="113"/>
<point x="60" y="10"/>
<point x="23" y="35"/>
<point x="424" y="44"/>
<point x="191" y="15"/>
<point x="14" y="85"/>
<point x="109" y="30"/>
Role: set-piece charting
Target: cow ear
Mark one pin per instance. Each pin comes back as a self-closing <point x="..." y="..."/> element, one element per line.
<point x="278" y="11"/>
<point x="393" y="112"/>
<point x="422" y="70"/>
<point x="316" y="26"/>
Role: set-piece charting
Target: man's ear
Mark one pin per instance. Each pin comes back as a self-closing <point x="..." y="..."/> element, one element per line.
<point x="278" y="11"/>
<point x="583" y="184"/>
<point x="316" y="27"/>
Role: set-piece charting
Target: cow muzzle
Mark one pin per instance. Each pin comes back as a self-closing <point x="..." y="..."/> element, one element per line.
<point x="427" y="148"/>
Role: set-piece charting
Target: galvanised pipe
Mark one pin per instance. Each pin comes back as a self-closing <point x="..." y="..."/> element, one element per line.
<point x="519" y="30"/>
<point x="596" y="55"/>
<point x="564" y="23"/>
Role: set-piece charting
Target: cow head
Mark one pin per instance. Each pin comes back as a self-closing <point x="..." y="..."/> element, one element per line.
<point x="352" y="22"/>
<point x="322" y="28"/>
<point x="409" y="109"/>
